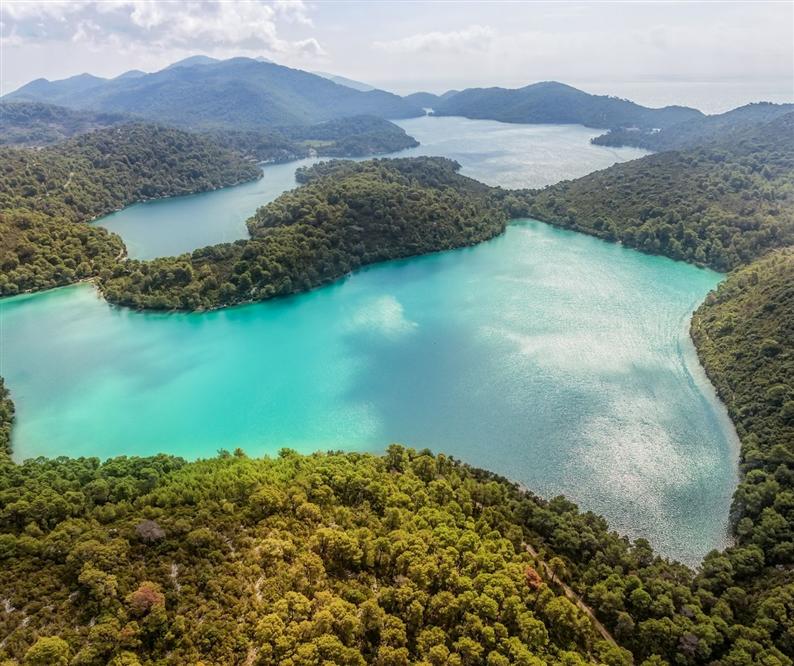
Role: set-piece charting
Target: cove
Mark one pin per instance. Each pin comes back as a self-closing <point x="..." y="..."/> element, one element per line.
<point x="555" y="359"/>
<point x="492" y="152"/>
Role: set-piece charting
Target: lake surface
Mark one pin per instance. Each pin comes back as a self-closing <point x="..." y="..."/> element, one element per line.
<point x="493" y="152"/>
<point x="550" y="357"/>
<point x="558" y="360"/>
<point x="168" y="227"/>
<point x="514" y="155"/>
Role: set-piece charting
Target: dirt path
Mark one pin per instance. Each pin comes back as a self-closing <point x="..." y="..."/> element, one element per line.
<point x="572" y="596"/>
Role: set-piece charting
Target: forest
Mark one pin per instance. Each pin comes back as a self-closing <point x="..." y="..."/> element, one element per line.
<point x="721" y="205"/>
<point x="347" y="215"/>
<point x="357" y="136"/>
<point x="408" y="557"/>
<point x="39" y="124"/>
<point x="695" y="131"/>
<point x="47" y="195"/>
<point x="744" y="333"/>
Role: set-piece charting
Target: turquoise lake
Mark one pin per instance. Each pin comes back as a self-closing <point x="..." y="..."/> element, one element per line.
<point x="558" y="360"/>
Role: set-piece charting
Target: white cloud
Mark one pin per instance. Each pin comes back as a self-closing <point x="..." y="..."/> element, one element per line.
<point x="473" y="38"/>
<point x="246" y="26"/>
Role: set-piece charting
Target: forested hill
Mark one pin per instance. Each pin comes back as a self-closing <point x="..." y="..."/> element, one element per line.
<point x="47" y="194"/>
<point x="720" y="205"/>
<point x="552" y="102"/>
<point x="348" y="215"/>
<point x="697" y="131"/>
<point x="357" y="136"/>
<point x="239" y="93"/>
<point x="744" y="333"/>
<point x="38" y="124"/>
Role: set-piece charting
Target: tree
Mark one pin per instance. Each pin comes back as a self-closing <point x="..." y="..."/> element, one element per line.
<point x="48" y="651"/>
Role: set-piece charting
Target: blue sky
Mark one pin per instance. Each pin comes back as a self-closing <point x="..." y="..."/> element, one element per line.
<point x="406" y="46"/>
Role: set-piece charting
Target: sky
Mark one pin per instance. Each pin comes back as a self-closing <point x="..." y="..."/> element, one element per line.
<point x="406" y="46"/>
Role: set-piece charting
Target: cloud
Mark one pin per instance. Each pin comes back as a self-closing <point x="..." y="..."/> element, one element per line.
<point x="473" y="38"/>
<point x="198" y="26"/>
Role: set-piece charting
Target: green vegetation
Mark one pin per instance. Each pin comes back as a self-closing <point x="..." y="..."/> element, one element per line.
<point x="333" y="559"/>
<point x="37" y="124"/>
<point x="351" y="559"/>
<point x="405" y="558"/>
<point x="239" y="93"/>
<point x="721" y="206"/>
<point x="347" y="215"/>
<point x="6" y="419"/>
<point x="47" y="195"/>
<point x="744" y="333"/>
<point x="552" y="102"/>
<point x="358" y="136"/>
<point x="697" y="131"/>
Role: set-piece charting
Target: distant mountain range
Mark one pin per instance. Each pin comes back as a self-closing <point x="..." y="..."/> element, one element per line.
<point x="204" y="93"/>
<point x="201" y="92"/>
<point x="552" y="102"/>
<point x="696" y="131"/>
<point x="344" y="81"/>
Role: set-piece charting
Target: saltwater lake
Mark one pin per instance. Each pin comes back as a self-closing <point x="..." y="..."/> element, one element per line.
<point x="492" y="152"/>
<point x="553" y="358"/>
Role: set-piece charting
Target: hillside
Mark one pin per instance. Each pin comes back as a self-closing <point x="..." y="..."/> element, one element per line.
<point x="339" y="558"/>
<point x="38" y="124"/>
<point x="46" y="196"/>
<point x="239" y="93"/>
<point x="697" y="131"/>
<point x="721" y="205"/>
<point x="552" y="102"/>
<point x="744" y="333"/>
<point x="357" y="136"/>
<point x="428" y="100"/>
<point x="347" y="215"/>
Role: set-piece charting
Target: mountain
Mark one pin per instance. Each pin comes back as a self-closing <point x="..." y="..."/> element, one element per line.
<point x="553" y="102"/>
<point x="239" y="93"/>
<point x="42" y="90"/>
<point x="429" y="100"/>
<point x="192" y="61"/>
<point x="40" y="124"/>
<point x="344" y="81"/>
<point x="697" y="131"/>
<point x="131" y="74"/>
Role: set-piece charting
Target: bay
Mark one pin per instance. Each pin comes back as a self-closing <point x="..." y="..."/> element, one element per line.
<point x="555" y="359"/>
<point x="550" y="357"/>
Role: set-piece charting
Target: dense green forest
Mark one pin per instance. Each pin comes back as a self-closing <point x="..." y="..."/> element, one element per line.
<point x="358" y="136"/>
<point x="553" y="102"/>
<point x="47" y="195"/>
<point x="346" y="559"/>
<point x="403" y="558"/>
<point x="327" y="559"/>
<point x="350" y="214"/>
<point x="238" y="93"/>
<point x="6" y="418"/>
<point x="720" y="205"/>
<point x="696" y="131"/>
<point x="744" y="334"/>
<point x="38" y="124"/>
